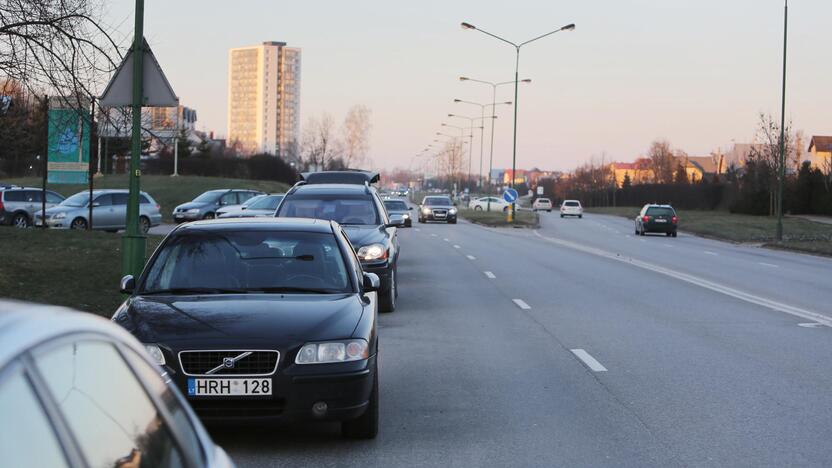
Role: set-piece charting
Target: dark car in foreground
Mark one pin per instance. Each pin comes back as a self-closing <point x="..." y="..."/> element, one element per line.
<point x="359" y="210"/>
<point x="262" y="319"/>
<point x="399" y="209"/>
<point x="78" y="391"/>
<point x="657" y="218"/>
<point x="437" y="208"/>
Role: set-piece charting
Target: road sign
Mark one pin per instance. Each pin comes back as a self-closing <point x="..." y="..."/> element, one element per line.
<point x="540" y="190"/>
<point x="69" y="146"/>
<point x="510" y="195"/>
<point x="156" y="90"/>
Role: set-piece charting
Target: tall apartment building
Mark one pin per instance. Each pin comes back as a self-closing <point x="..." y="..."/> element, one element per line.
<point x="264" y="99"/>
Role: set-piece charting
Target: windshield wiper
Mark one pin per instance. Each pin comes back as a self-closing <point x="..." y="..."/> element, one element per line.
<point x="196" y="291"/>
<point x="292" y="289"/>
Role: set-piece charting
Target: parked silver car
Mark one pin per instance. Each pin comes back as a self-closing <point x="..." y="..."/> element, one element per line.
<point x="109" y="211"/>
<point x="206" y="205"/>
<point x="19" y="204"/>
<point x="77" y="390"/>
<point x="241" y="206"/>
<point x="262" y="206"/>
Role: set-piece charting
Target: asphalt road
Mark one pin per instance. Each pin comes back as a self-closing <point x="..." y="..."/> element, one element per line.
<point x="580" y="344"/>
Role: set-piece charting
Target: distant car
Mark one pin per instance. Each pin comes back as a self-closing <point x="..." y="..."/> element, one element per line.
<point x="571" y="208"/>
<point x="489" y="204"/>
<point x="230" y="208"/>
<point x="109" y="212"/>
<point x="657" y="218"/>
<point x="262" y="206"/>
<point x="261" y="320"/>
<point x="541" y="204"/>
<point x="206" y="205"/>
<point x="79" y="391"/>
<point x="397" y="208"/>
<point x="359" y="210"/>
<point x="437" y="208"/>
<point x="19" y="204"/>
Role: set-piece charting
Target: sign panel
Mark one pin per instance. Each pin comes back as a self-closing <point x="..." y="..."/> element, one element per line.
<point x="69" y="146"/>
<point x="540" y="190"/>
<point x="510" y="195"/>
<point x="156" y="90"/>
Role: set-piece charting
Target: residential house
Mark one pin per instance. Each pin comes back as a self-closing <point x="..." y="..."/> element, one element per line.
<point x="820" y="147"/>
<point x="701" y="167"/>
<point x="639" y="171"/>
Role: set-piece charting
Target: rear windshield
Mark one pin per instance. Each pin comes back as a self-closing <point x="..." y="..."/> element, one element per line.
<point x="437" y="201"/>
<point x="356" y="210"/>
<point x="544" y="200"/>
<point x="571" y="203"/>
<point x="396" y="205"/>
<point x="660" y="211"/>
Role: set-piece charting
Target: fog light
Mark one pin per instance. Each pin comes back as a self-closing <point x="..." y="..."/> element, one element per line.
<point x="319" y="409"/>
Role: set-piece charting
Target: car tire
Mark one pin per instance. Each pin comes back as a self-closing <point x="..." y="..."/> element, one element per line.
<point x="366" y="425"/>
<point x="144" y="224"/>
<point x="79" y="224"/>
<point x="387" y="300"/>
<point x="21" y="221"/>
<point x="477" y="208"/>
<point x="209" y="216"/>
<point x="452" y="221"/>
<point x="111" y="231"/>
<point x="580" y="216"/>
<point x="548" y="211"/>
<point x="643" y="232"/>
<point x="561" y="216"/>
<point x="674" y="234"/>
<point x="668" y="234"/>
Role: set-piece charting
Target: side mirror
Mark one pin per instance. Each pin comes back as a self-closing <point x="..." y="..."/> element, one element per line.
<point x="127" y="284"/>
<point x="371" y="282"/>
<point x="243" y="207"/>
<point x="409" y="208"/>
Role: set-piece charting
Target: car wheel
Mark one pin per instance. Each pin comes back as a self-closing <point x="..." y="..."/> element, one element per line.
<point x="668" y="234"/>
<point x="643" y="231"/>
<point x="561" y="215"/>
<point x="78" y="223"/>
<point x="387" y="301"/>
<point x="144" y="224"/>
<point x="20" y="220"/>
<point x="366" y="425"/>
<point x="111" y="231"/>
<point x="548" y="211"/>
<point x="674" y="234"/>
<point x="209" y="216"/>
<point x="580" y="216"/>
<point x="477" y="208"/>
<point x="452" y="221"/>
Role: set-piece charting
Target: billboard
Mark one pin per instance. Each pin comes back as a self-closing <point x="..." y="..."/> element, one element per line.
<point x="69" y="146"/>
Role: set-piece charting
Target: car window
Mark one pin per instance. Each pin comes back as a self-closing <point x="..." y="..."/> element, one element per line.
<point x="143" y="199"/>
<point x="34" y="196"/>
<point x="103" y="200"/>
<point x="395" y="205"/>
<point x="358" y="210"/>
<point x="14" y="195"/>
<point x="52" y="197"/>
<point x="265" y="261"/>
<point x="180" y="422"/>
<point x="78" y="200"/>
<point x="437" y="201"/>
<point x="229" y="199"/>
<point x="120" y="198"/>
<point x="660" y="211"/>
<point x="114" y="421"/>
<point x="243" y="196"/>
<point x="266" y="203"/>
<point x="571" y="203"/>
<point x="26" y="434"/>
<point x="356" y="264"/>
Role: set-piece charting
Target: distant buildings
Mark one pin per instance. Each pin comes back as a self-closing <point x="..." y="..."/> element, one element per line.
<point x="820" y="147"/>
<point x="264" y="99"/>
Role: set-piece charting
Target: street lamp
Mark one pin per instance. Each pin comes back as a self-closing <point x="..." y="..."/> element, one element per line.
<point x="482" y="107"/>
<point x="568" y="27"/>
<point x="481" y="128"/>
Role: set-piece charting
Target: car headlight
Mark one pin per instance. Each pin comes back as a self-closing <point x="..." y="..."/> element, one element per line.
<point x="60" y="215"/>
<point x="452" y="211"/>
<point x="193" y="210"/>
<point x="405" y="216"/>
<point x="372" y="252"/>
<point x="156" y="353"/>
<point x="426" y="211"/>
<point x="333" y="351"/>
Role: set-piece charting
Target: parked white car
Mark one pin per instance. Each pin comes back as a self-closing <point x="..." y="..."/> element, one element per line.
<point x="481" y="204"/>
<point x="571" y="208"/>
<point x="541" y="204"/>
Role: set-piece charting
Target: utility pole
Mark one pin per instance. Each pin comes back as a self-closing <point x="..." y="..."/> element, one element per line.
<point x="782" y="176"/>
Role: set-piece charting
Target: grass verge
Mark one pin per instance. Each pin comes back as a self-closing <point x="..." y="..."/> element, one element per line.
<point x="77" y="269"/>
<point x="798" y="234"/>
<point x="524" y="219"/>
<point x="168" y="191"/>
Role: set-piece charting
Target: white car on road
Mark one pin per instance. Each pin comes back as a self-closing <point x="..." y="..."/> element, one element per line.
<point x="497" y="204"/>
<point x="571" y="208"/>
<point x="541" y="204"/>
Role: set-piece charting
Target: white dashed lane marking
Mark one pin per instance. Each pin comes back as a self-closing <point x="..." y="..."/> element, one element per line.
<point x="708" y="252"/>
<point x="590" y="361"/>
<point x="521" y="304"/>
<point x="489" y="275"/>
<point x="769" y="265"/>
<point x="471" y="257"/>
<point x="456" y="246"/>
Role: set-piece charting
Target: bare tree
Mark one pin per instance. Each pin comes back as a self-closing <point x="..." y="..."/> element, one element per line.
<point x="355" y="135"/>
<point x="661" y="161"/>
<point x="319" y="145"/>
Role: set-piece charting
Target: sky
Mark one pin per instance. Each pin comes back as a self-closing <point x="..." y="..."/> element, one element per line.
<point x="694" y="72"/>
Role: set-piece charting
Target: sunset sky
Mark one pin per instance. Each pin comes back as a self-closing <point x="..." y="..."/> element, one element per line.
<point x="696" y="72"/>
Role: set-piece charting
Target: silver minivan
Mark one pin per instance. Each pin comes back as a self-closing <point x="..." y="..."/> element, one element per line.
<point x="19" y="204"/>
<point x="109" y="211"/>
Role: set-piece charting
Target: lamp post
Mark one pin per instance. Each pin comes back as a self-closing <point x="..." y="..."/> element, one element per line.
<point x="455" y="138"/>
<point x="471" y="128"/>
<point x="568" y="27"/>
<point x="782" y="175"/>
<point x="482" y="107"/>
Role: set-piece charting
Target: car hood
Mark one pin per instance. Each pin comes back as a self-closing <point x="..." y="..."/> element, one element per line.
<point x="189" y="205"/>
<point x="247" y="213"/>
<point x="365" y="235"/>
<point x="278" y="319"/>
<point x="230" y="208"/>
<point x="62" y="209"/>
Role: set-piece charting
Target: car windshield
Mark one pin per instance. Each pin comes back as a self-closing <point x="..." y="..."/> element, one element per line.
<point x="437" y="201"/>
<point x="343" y="209"/>
<point x="660" y="211"/>
<point x="395" y="205"/>
<point x="77" y="200"/>
<point x="209" y="197"/>
<point x="266" y="202"/>
<point x="252" y="200"/>
<point x="248" y="262"/>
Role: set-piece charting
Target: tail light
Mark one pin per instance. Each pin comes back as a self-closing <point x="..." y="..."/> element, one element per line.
<point x="674" y="220"/>
<point x="645" y="219"/>
<point x="1" y="205"/>
<point x="158" y="207"/>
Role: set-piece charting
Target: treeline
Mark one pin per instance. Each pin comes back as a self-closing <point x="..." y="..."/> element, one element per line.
<point x="257" y="167"/>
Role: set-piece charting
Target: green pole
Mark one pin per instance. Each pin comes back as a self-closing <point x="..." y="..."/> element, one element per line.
<point x="782" y="176"/>
<point x="133" y="242"/>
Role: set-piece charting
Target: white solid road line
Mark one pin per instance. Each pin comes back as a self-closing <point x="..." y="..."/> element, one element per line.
<point x="521" y="304"/>
<point x="456" y="246"/>
<point x="587" y="359"/>
<point x="695" y="280"/>
<point x="708" y="252"/>
<point x="471" y="257"/>
<point x="489" y="275"/>
<point x="446" y="239"/>
<point x="769" y="265"/>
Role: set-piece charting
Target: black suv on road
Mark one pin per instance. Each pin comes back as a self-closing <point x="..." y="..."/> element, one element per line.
<point x="360" y="211"/>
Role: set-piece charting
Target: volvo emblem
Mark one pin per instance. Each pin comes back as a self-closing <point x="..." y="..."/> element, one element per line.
<point x="228" y="362"/>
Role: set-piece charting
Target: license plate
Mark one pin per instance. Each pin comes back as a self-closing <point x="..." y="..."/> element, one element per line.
<point x="661" y="220"/>
<point x="229" y="387"/>
<point x="179" y="216"/>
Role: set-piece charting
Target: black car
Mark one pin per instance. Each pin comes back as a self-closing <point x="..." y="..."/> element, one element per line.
<point x="262" y="319"/>
<point x="437" y="208"/>
<point x="359" y="210"/>
<point x="657" y="218"/>
<point x="398" y="208"/>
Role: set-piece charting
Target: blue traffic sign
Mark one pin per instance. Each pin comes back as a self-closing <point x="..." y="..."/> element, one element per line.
<point x="510" y="195"/>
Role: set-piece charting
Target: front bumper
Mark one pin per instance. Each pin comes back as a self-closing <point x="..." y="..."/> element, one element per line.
<point x="435" y="215"/>
<point x="345" y="388"/>
<point x="383" y="271"/>
<point x="184" y="216"/>
<point x="52" y="223"/>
